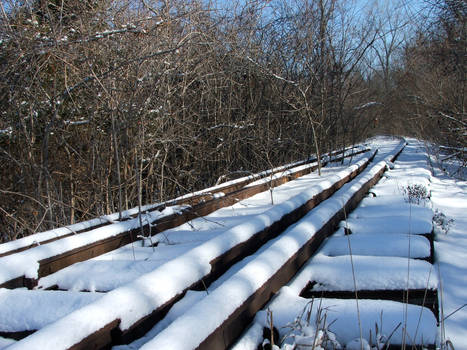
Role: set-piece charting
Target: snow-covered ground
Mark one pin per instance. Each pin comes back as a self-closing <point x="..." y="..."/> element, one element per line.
<point x="387" y="243"/>
<point x="38" y="308"/>
<point x="449" y="198"/>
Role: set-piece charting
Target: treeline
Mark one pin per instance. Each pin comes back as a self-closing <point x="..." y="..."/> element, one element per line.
<point x="106" y="104"/>
<point x="423" y="87"/>
<point x="434" y="80"/>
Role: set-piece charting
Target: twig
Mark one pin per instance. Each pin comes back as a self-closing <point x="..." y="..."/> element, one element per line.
<point x="456" y="310"/>
<point x="354" y="282"/>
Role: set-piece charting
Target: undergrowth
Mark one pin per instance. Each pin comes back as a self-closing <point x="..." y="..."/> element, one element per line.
<point x="311" y="331"/>
<point x="441" y="222"/>
<point x="420" y="195"/>
<point x="416" y="194"/>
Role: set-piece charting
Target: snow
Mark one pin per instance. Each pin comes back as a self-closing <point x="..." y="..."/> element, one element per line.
<point x="113" y="270"/>
<point x="390" y="206"/>
<point x="411" y="218"/>
<point x="26" y="263"/>
<point x="368" y="104"/>
<point x="140" y="279"/>
<point x="176" y="311"/>
<point x="4" y="342"/>
<point x="371" y="273"/>
<point x="450" y="197"/>
<point x="377" y="245"/>
<point x="343" y="320"/>
<point x="38" y="238"/>
<point x="389" y="225"/>
<point x="379" y="258"/>
<point x="252" y="337"/>
<point x="76" y="122"/>
<point x="51" y="234"/>
<point x="357" y="344"/>
<point x="8" y="131"/>
<point x="16" y="307"/>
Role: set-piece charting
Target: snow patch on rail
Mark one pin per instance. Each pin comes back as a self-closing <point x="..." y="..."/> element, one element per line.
<point x="37" y="238"/>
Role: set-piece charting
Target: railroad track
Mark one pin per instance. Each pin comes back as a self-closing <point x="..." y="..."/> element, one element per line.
<point x="129" y="311"/>
<point x="57" y="249"/>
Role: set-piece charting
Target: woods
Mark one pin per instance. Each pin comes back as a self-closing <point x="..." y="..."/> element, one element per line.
<point x="108" y="104"/>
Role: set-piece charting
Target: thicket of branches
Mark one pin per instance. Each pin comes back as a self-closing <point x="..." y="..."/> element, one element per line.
<point x="105" y="104"/>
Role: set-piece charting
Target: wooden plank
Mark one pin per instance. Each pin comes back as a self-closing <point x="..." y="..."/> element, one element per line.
<point x="14" y="251"/>
<point x="423" y="297"/>
<point x="19" y="282"/>
<point x="431" y="238"/>
<point x="58" y="262"/>
<point x="100" y="339"/>
<point x="16" y="335"/>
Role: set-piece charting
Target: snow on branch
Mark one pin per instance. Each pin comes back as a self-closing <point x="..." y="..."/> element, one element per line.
<point x="444" y="115"/>
<point x="269" y="72"/>
<point x="231" y="174"/>
<point x="76" y="122"/>
<point x="368" y="104"/>
<point x="233" y="126"/>
<point x="8" y="131"/>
